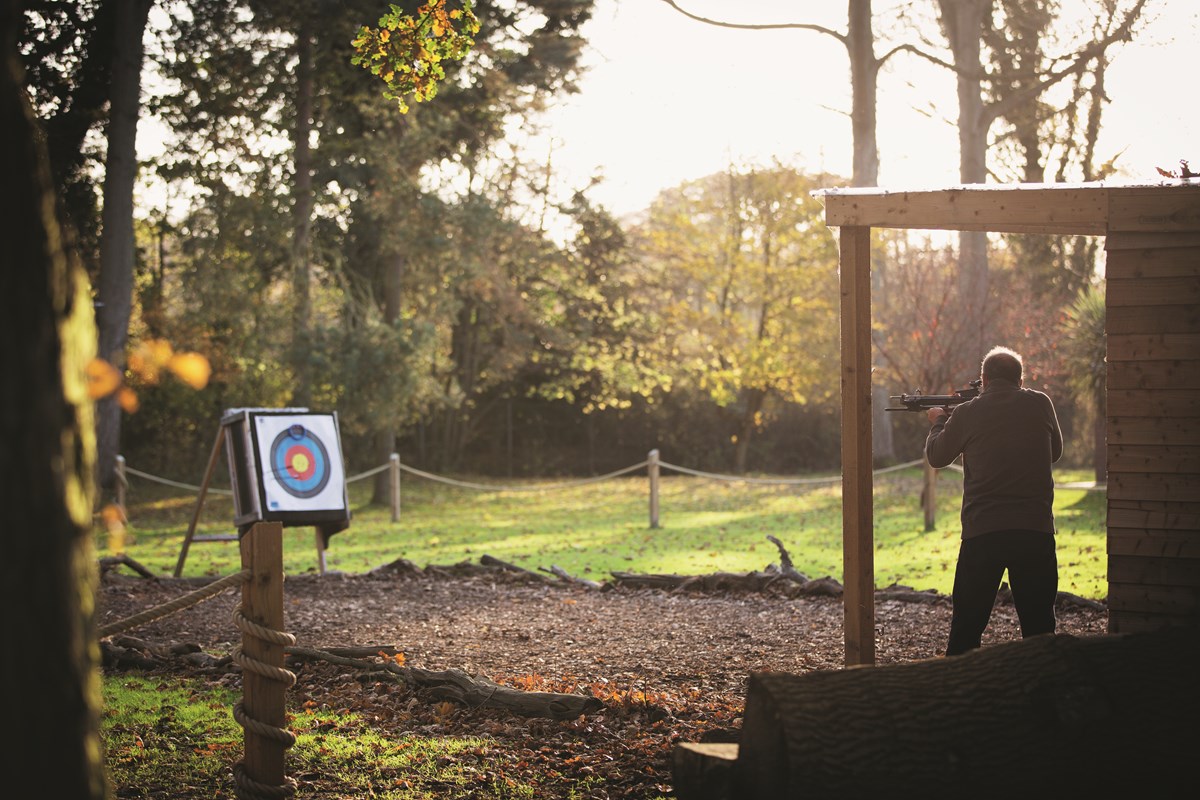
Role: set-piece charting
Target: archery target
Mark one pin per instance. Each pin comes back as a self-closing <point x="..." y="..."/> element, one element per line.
<point x="301" y="462"/>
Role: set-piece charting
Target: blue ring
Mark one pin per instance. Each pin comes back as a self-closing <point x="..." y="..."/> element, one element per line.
<point x="309" y="487"/>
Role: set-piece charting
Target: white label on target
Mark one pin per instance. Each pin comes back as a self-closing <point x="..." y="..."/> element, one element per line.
<point x="301" y="460"/>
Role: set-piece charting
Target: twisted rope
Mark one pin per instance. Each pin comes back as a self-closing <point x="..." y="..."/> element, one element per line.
<point x="368" y="473"/>
<point x="179" y="603"/>
<point x="538" y="488"/>
<point x="176" y="484"/>
<point x="247" y="787"/>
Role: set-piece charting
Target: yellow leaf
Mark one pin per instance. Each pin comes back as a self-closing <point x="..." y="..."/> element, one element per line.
<point x="149" y="358"/>
<point x="128" y="400"/>
<point x="191" y="368"/>
<point x="112" y="515"/>
<point x="102" y="378"/>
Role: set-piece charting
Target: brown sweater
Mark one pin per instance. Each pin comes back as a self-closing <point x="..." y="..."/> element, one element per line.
<point x="1008" y="438"/>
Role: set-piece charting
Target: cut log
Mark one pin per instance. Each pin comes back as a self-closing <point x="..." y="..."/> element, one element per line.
<point x="704" y="770"/>
<point x="1047" y="715"/>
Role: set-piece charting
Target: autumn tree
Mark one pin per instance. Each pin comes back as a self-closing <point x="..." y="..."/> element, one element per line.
<point x="743" y="273"/>
<point x="858" y="38"/>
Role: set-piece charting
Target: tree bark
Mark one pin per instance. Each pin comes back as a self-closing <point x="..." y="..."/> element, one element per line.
<point x="48" y="573"/>
<point x="302" y="223"/>
<point x="117" y="240"/>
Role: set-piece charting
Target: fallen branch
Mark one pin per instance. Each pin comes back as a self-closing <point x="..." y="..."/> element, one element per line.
<point x="495" y="563"/>
<point x="562" y="574"/>
<point x="458" y="686"/>
<point x="109" y="563"/>
<point x="785" y="562"/>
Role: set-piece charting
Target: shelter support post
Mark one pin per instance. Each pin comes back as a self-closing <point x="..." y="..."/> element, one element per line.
<point x="858" y="545"/>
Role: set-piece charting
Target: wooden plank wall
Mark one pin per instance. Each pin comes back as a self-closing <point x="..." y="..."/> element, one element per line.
<point x="1153" y="299"/>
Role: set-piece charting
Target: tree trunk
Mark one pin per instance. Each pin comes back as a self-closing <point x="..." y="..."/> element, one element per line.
<point x="46" y="482"/>
<point x="864" y="76"/>
<point x="385" y="434"/>
<point x="117" y="240"/>
<point x="962" y="23"/>
<point x="741" y="451"/>
<point x="1050" y="715"/>
<point x="864" y="81"/>
<point x="302" y="219"/>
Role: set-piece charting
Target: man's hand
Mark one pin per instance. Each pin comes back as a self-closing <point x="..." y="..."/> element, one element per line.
<point x="935" y="414"/>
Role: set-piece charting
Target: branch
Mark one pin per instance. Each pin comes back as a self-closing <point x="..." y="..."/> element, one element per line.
<point x="919" y="53"/>
<point x="1082" y="58"/>
<point x="747" y="26"/>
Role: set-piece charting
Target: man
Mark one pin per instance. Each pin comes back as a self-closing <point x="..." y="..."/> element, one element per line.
<point x="1008" y="437"/>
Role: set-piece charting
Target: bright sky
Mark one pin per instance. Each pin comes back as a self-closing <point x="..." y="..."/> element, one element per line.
<point x="667" y="99"/>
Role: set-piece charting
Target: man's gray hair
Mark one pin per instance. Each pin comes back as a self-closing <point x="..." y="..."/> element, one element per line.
<point x="1001" y="362"/>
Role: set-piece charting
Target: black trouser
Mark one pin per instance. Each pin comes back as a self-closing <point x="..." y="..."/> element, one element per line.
<point x="1032" y="574"/>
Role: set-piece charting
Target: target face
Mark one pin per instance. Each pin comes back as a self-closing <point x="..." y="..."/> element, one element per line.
<point x="301" y="462"/>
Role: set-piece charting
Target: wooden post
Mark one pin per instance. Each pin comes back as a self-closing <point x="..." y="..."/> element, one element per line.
<point x="264" y="698"/>
<point x="122" y="484"/>
<point x="929" y="497"/>
<point x="858" y="535"/>
<point x="652" y="470"/>
<point x="212" y="464"/>
<point x="394" y="459"/>
<point x="320" y="551"/>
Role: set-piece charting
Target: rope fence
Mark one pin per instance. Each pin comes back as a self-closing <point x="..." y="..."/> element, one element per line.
<point x="652" y="464"/>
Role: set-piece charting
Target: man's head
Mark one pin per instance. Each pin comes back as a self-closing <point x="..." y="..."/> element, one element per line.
<point x="1000" y="362"/>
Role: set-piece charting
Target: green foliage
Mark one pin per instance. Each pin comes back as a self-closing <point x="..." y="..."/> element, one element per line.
<point x="164" y="737"/>
<point x="595" y="529"/>
<point x="167" y="738"/>
<point x="407" y="52"/>
<point x="1085" y="345"/>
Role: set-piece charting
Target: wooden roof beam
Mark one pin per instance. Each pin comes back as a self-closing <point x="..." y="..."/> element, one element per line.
<point x="1030" y="208"/>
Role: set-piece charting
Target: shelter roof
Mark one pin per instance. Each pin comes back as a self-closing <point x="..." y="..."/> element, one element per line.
<point x="1095" y="208"/>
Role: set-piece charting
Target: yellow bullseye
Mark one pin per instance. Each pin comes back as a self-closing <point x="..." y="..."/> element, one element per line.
<point x="300" y="463"/>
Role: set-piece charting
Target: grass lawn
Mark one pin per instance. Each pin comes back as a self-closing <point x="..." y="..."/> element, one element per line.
<point x="593" y="529"/>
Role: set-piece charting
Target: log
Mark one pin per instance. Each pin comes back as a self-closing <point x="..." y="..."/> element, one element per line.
<point x="456" y="685"/>
<point x="704" y="770"/>
<point x="1047" y="715"/>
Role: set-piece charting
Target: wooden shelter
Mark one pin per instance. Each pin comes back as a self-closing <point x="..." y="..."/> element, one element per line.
<point x="1152" y="240"/>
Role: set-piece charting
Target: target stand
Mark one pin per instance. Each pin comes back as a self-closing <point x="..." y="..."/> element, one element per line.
<point x="285" y="465"/>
